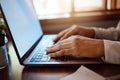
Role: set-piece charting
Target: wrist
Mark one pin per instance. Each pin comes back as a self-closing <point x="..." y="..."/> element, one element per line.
<point x="87" y="31"/>
<point x="91" y="33"/>
<point x="100" y="49"/>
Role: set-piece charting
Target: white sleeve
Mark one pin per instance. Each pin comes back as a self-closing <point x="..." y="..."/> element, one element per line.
<point x="112" y="51"/>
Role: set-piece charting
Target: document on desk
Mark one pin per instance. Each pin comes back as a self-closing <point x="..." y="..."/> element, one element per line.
<point x="84" y="73"/>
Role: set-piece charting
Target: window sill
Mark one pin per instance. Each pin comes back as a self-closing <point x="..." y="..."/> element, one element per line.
<point x="81" y="17"/>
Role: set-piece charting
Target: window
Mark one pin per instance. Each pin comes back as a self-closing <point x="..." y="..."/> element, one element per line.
<point x="50" y="8"/>
<point x="66" y="8"/>
<point x="89" y="5"/>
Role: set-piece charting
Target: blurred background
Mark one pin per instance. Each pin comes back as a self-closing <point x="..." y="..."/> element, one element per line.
<point x="56" y="15"/>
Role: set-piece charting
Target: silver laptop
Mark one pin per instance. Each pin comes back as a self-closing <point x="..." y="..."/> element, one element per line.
<point x="28" y="38"/>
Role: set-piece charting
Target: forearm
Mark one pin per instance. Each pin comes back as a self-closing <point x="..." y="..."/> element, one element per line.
<point x="109" y="34"/>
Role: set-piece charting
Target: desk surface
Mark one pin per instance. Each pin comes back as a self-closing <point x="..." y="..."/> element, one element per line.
<point x="15" y="71"/>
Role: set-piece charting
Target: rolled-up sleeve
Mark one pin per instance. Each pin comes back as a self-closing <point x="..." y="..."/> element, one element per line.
<point x="108" y="34"/>
<point x="111" y="37"/>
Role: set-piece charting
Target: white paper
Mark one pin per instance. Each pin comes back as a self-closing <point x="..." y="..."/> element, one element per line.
<point x="84" y="73"/>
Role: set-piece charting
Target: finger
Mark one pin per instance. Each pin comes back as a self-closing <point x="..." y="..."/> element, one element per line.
<point x="58" y="37"/>
<point x="65" y="41"/>
<point x="52" y="49"/>
<point x="69" y="33"/>
<point x="58" y="47"/>
<point x="60" y="53"/>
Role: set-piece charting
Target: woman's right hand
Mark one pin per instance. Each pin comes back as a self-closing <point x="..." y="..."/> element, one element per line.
<point x="75" y="30"/>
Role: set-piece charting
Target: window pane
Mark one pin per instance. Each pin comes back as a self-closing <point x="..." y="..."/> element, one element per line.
<point x="45" y="7"/>
<point x="87" y="5"/>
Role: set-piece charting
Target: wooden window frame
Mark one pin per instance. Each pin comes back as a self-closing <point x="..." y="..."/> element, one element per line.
<point x="113" y="4"/>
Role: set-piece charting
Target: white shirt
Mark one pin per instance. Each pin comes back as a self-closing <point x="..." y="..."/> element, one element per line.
<point x="111" y="38"/>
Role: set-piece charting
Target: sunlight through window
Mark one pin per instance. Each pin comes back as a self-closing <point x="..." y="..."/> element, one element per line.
<point x="87" y="5"/>
<point x="65" y="8"/>
<point x="45" y="7"/>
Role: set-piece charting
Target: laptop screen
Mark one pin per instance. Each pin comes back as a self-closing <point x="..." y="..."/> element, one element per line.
<point x="23" y="23"/>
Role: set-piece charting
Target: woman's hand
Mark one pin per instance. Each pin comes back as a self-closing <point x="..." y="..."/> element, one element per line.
<point x="75" y="30"/>
<point x="77" y="46"/>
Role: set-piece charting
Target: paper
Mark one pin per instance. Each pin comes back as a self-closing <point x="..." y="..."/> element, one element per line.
<point x="84" y="73"/>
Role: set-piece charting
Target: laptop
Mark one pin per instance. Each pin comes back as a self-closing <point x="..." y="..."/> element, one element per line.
<point x="28" y="38"/>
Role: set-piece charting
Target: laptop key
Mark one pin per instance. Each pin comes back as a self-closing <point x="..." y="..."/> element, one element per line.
<point x="38" y="56"/>
<point x="37" y="60"/>
<point x="45" y="58"/>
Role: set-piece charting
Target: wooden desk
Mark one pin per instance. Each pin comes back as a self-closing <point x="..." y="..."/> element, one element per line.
<point x="17" y="72"/>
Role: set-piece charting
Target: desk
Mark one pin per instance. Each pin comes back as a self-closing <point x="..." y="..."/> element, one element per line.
<point x="15" y="71"/>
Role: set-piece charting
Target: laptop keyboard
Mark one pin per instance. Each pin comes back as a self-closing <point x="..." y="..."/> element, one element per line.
<point x="40" y="53"/>
<point x="40" y="58"/>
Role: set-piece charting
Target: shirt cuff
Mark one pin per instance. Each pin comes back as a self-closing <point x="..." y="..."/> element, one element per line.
<point x="112" y="52"/>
